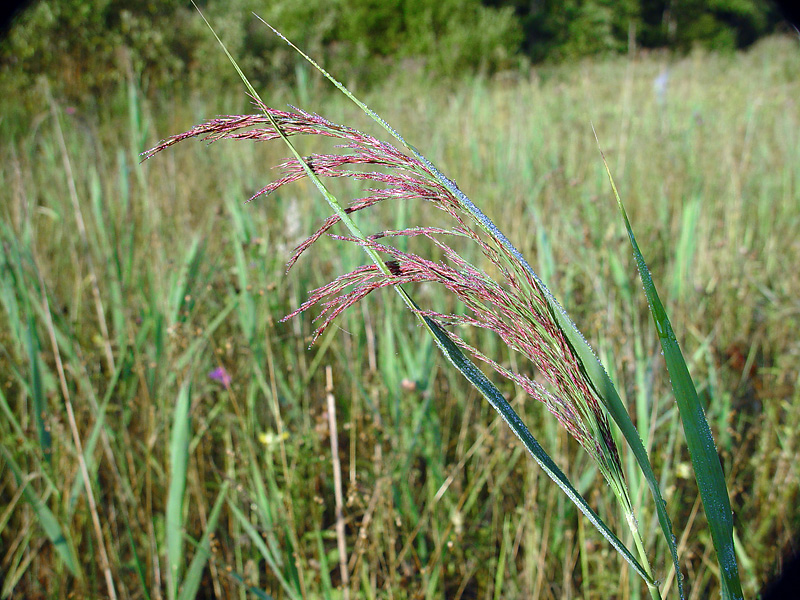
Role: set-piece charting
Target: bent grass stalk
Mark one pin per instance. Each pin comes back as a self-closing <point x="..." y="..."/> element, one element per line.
<point x="518" y="308"/>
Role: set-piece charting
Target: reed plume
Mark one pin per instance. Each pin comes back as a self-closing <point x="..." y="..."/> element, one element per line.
<point x="515" y="307"/>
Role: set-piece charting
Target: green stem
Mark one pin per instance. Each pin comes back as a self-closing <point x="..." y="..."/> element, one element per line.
<point x="637" y="540"/>
<point x="620" y="489"/>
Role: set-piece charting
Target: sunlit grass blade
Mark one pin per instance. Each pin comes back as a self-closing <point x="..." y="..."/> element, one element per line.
<point x="179" y="464"/>
<point x="180" y="299"/>
<point x="20" y="303"/>
<point x="325" y="570"/>
<point x="98" y="427"/>
<point x="266" y="553"/>
<point x="264" y="508"/>
<point x="139" y="567"/>
<point x="17" y="564"/>
<point x="249" y="588"/>
<point x="190" y="354"/>
<point x="699" y="440"/>
<point x="451" y="351"/>
<point x="613" y="403"/>
<point x="38" y="398"/>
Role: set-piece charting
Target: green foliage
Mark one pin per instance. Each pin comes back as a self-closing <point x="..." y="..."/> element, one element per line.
<point x="85" y="47"/>
<point x="586" y="27"/>
<point x="720" y="24"/>
<point x="367" y="36"/>
<point x="90" y="46"/>
<point x="568" y="29"/>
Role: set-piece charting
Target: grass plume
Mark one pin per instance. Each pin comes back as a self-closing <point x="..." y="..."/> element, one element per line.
<point x="517" y="310"/>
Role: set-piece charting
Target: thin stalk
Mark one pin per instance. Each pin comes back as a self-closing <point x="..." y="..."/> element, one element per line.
<point x="633" y="525"/>
<point x="337" y="484"/>
<point x="620" y="489"/>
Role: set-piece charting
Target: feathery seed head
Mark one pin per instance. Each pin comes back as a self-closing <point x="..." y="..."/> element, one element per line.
<point x="516" y="309"/>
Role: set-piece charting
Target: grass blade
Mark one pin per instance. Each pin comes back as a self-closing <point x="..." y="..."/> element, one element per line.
<point x="705" y="460"/>
<point x="255" y="591"/>
<point x="137" y="562"/>
<point x="266" y="553"/>
<point x="39" y="402"/>
<point x="509" y="415"/>
<point x="179" y="463"/>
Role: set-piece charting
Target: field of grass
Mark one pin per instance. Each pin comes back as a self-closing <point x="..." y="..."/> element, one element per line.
<point x="156" y="413"/>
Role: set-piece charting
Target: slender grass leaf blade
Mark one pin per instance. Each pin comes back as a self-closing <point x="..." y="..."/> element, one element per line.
<point x="261" y="546"/>
<point x="699" y="440"/>
<point x="179" y="464"/>
<point x="255" y="591"/>
<point x="39" y="401"/>
<point x="99" y="425"/>
<point x="509" y="415"/>
<point x="139" y="566"/>
<point x="589" y="360"/>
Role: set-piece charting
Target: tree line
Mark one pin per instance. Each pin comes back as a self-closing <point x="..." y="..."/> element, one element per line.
<point x="83" y="42"/>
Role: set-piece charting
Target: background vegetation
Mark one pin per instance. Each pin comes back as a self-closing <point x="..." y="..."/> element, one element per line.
<point x="142" y="301"/>
<point x="87" y="45"/>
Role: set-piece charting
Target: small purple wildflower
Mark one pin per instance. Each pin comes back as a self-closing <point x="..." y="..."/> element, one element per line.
<point x="221" y="375"/>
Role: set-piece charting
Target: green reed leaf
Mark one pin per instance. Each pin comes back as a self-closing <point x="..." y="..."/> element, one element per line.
<point x="178" y="467"/>
<point x="47" y="520"/>
<point x="699" y="440"/>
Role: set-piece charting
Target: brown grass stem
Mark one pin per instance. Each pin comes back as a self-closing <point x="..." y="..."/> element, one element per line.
<point x="337" y="483"/>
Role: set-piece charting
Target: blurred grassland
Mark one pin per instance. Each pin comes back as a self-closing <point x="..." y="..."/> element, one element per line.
<point x="172" y="275"/>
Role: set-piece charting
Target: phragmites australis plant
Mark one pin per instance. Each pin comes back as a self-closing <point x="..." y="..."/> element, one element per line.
<point x="514" y="304"/>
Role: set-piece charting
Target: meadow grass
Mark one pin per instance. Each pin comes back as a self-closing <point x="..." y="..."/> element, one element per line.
<point x="204" y="424"/>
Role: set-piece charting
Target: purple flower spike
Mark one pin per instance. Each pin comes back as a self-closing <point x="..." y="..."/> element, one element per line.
<point x="221" y="375"/>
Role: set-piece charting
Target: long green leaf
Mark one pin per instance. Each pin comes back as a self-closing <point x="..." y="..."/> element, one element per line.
<point x="509" y="415"/>
<point x="39" y="401"/>
<point x="703" y="452"/>
<point x="266" y="553"/>
<point x="178" y="466"/>
<point x="92" y="465"/>
<point x="139" y="567"/>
